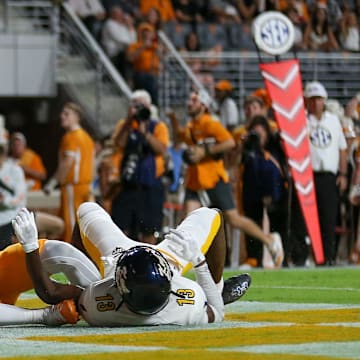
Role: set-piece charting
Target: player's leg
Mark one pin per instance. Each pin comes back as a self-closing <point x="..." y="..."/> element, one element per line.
<point x="55" y="315"/>
<point x="215" y="256"/>
<point x="14" y="278"/>
<point x="203" y="224"/>
<point x="49" y="226"/>
<point x="67" y="210"/>
<point x="100" y="236"/>
<point x="58" y="256"/>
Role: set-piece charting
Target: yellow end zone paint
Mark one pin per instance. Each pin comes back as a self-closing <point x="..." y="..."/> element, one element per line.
<point x="219" y="338"/>
<point x="300" y="316"/>
<point x="180" y="355"/>
<point x="31" y="303"/>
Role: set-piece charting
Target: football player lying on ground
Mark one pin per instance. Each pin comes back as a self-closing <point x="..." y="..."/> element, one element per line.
<point x="147" y="288"/>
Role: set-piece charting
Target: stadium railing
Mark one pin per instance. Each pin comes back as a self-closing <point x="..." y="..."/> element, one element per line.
<point x="339" y="72"/>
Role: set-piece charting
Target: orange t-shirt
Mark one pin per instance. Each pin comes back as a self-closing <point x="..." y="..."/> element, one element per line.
<point x="164" y="7"/>
<point x="148" y="59"/>
<point x="79" y="145"/>
<point x="33" y="161"/>
<point x="208" y="172"/>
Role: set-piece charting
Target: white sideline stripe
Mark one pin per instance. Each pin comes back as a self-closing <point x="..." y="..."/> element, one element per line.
<point x="256" y="306"/>
<point x="349" y="349"/>
<point x="10" y="347"/>
<point x="308" y="288"/>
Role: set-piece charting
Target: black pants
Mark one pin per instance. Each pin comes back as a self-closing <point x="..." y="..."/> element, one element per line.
<point x="6" y="232"/>
<point x="327" y="201"/>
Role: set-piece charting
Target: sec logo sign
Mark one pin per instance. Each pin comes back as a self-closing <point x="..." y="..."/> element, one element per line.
<point x="273" y="33"/>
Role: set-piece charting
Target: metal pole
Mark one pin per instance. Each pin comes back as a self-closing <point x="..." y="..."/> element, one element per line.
<point x="6" y="16"/>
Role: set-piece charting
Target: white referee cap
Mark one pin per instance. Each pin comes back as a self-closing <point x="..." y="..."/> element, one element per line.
<point x="315" y="89"/>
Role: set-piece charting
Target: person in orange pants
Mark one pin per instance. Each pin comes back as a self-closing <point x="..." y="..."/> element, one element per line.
<point x="75" y="169"/>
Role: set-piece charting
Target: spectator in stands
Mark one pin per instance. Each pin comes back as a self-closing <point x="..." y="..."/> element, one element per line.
<point x="153" y="18"/>
<point x="29" y="160"/>
<point x="247" y="9"/>
<point x="92" y="14"/>
<point x="299" y="6"/>
<point x="202" y="68"/>
<point x="142" y="142"/>
<point x="227" y="109"/>
<point x="12" y="191"/>
<point x="74" y="172"/>
<point x="49" y="225"/>
<point x="349" y="32"/>
<point x="329" y="162"/>
<point x="221" y="11"/>
<point x="294" y="16"/>
<point x="318" y="34"/>
<point x="164" y="7"/>
<point x="129" y="7"/>
<point x="187" y="11"/>
<point x="118" y="32"/>
<point x="144" y="57"/>
<point x="207" y="181"/>
<point x="333" y="11"/>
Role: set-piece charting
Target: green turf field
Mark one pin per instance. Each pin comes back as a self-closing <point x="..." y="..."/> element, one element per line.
<point x="287" y="314"/>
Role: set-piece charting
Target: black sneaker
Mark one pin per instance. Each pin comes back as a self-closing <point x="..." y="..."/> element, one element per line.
<point x="235" y="287"/>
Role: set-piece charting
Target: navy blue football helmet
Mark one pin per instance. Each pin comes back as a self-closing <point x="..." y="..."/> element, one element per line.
<point x="143" y="279"/>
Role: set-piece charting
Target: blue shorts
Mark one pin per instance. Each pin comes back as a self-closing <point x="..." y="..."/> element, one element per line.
<point x="139" y="210"/>
<point x="220" y="196"/>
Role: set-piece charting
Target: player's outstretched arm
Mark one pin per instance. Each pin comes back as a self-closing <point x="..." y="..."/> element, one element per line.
<point x="49" y="291"/>
<point x="184" y="245"/>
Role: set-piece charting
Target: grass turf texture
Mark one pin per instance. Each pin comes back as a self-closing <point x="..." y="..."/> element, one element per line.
<point x="297" y="285"/>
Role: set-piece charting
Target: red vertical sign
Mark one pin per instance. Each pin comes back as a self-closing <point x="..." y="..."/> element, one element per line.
<point x="283" y="82"/>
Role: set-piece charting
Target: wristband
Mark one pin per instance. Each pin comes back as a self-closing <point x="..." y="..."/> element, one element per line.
<point x="28" y="248"/>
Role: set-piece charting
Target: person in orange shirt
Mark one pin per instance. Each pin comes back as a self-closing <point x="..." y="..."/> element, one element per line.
<point x="49" y="225"/>
<point x="144" y="57"/>
<point x="75" y="168"/>
<point x="29" y="160"/>
<point x="207" y="181"/>
<point x="142" y="143"/>
<point x="164" y="7"/>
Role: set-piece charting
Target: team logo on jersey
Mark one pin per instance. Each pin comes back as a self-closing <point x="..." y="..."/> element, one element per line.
<point x="320" y="137"/>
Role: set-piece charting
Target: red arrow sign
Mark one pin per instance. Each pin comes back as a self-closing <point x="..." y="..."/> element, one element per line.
<point x="283" y="82"/>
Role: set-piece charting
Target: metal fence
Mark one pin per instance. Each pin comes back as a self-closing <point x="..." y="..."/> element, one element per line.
<point x="28" y="17"/>
<point x="89" y="75"/>
<point x="339" y="72"/>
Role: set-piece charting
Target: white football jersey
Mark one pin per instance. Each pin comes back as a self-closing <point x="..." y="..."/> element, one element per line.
<point x="102" y="305"/>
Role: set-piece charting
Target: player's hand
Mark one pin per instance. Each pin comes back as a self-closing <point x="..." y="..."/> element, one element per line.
<point x="185" y="246"/>
<point x="25" y="230"/>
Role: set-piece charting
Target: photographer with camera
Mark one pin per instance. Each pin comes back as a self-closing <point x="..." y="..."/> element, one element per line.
<point x="263" y="182"/>
<point x="142" y="142"/>
<point x="207" y="182"/>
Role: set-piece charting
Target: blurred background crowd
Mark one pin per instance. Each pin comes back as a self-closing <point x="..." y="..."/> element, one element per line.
<point x="151" y="169"/>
